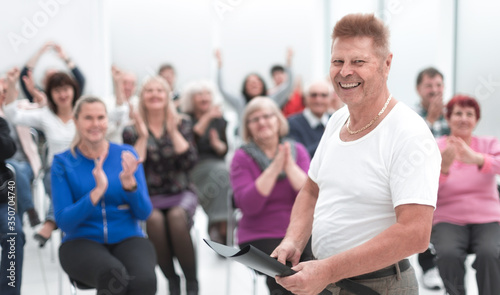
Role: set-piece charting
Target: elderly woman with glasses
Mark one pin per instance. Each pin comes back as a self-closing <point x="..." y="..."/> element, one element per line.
<point x="266" y="174"/>
<point x="467" y="214"/>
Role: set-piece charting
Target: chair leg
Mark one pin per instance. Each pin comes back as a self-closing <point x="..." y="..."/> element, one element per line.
<point x="254" y="281"/>
<point x="72" y="289"/>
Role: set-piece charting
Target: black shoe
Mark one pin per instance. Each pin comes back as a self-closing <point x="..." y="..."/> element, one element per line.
<point x="41" y="239"/>
<point x="33" y="217"/>
<point x="192" y="287"/>
<point x="174" y="285"/>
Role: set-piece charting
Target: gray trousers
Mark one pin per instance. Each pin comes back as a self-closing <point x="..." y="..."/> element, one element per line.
<point x="211" y="179"/>
<point x="454" y="242"/>
<point x="403" y="284"/>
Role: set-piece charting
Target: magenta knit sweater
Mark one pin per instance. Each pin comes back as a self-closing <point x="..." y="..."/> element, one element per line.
<point x="263" y="217"/>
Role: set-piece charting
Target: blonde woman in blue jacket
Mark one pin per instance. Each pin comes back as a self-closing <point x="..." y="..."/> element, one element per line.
<point x="100" y="194"/>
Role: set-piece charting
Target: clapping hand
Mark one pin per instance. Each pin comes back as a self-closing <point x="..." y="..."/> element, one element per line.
<point x="464" y="153"/>
<point x="129" y="166"/>
<point x="215" y="142"/>
<point x="435" y="110"/>
<point x="279" y="161"/>
<point x="139" y="124"/>
<point x="38" y="96"/>
<point x="101" y="180"/>
<point x="173" y="119"/>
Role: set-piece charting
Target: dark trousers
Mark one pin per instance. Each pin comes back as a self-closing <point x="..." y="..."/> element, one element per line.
<point x="127" y="267"/>
<point x="267" y="246"/>
<point x="454" y="242"/>
<point x="427" y="259"/>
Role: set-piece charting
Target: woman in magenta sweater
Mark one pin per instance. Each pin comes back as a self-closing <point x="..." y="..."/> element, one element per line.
<point x="266" y="174"/>
<point x="467" y="214"/>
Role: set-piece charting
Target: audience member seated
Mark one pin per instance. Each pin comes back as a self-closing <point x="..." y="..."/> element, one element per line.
<point x="124" y="84"/>
<point x="25" y="157"/>
<point x="295" y="102"/>
<point x="164" y="141"/>
<point x="11" y="232"/>
<point x="210" y="175"/>
<point x="30" y="90"/>
<point x="430" y="89"/>
<point x="266" y="175"/>
<point x="167" y="72"/>
<point x="100" y="194"/>
<point x="467" y="216"/>
<point x="56" y="121"/>
<point x="308" y="126"/>
<point x="254" y="86"/>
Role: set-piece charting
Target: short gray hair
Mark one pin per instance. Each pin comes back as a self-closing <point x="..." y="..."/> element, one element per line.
<point x="259" y="103"/>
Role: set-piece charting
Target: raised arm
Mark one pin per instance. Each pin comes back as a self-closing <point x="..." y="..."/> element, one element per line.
<point x="29" y="67"/>
<point x="284" y="91"/>
<point x="79" y="78"/>
<point x="237" y="102"/>
<point x="12" y="92"/>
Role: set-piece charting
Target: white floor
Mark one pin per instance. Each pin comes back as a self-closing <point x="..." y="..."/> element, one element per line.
<point x="43" y="276"/>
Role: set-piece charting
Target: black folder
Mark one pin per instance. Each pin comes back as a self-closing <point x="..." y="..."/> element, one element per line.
<point x="255" y="259"/>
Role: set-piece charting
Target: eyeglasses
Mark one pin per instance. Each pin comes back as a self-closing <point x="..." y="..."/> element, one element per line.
<point x="255" y="120"/>
<point x="314" y="94"/>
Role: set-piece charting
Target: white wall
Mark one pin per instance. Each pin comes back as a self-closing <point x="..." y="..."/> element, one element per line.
<point x="140" y="35"/>
<point x="253" y="36"/>
<point x="421" y="36"/>
<point x="79" y="26"/>
<point x="478" y="67"/>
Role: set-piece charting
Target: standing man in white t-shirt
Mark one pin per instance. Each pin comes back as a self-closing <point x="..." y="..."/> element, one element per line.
<point x="372" y="186"/>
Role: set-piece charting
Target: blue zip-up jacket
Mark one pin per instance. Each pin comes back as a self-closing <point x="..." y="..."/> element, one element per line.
<point x="115" y="217"/>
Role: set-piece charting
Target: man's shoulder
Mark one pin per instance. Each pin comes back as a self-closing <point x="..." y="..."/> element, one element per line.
<point x="407" y="121"/>
<point x="298" y="121"/>
<point x="296" y="118"/>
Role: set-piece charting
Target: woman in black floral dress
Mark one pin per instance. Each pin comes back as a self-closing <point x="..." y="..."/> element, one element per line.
<point x="165" y="142"/>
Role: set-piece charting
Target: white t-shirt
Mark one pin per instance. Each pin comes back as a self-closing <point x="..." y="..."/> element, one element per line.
<point x="362" y="181"/>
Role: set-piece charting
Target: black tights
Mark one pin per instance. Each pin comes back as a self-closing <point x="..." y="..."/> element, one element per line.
<point x="169" y="230"/>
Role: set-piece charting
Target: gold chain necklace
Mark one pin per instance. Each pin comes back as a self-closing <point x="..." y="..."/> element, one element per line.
<point x="371" y="122"/>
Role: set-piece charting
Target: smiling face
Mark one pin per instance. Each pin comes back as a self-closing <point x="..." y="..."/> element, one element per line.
<point x="154" y="96"/>
<point x="169" y="76"/>
<point x="263" y="124"/>
<point x="430" y="88"/>
<point x="129" y="84"/>
<point x="92" y="122"/>
<point x="357" y="70"/>
<point x="462" y="121"/>
<point x="202" y="101"/>
<point x="63" y="96"/>
<point x="253" y="86"/>
<point x="318" y="98"/>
